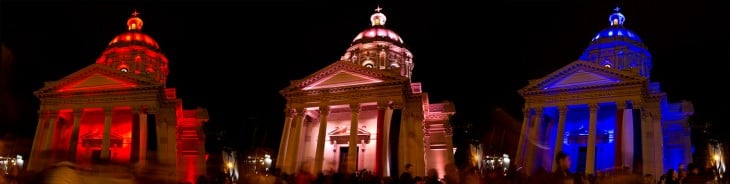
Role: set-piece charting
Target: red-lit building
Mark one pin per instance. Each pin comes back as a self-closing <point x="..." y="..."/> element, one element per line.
<point x="364" y="113"/>
<point x="119" y="110"/>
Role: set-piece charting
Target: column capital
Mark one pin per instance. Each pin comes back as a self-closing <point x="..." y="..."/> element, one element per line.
<point x="593" y="107"/>
<point x="43" y="113"/>
<point x="299" y="112"/>
<point x="562" y="109"/>
<point x="355" y="108"/>
<point x="396" y="105"/>
<point x="108" y="110"/>
<point x="53" y="112"/>
<point x="382" y="105"/>
<point x="77" y="112"/>
<point x="538" y="110"/>
<point x="621" y="104"/>
<point x="526" y="111"/>
<point x="324" y="110"/>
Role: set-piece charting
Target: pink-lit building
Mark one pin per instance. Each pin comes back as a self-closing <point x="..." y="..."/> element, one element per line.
<point x="119" y="110"/>
<point x="364" y="113"/>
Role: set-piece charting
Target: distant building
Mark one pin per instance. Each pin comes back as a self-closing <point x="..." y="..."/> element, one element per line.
<point x="364" y="113"/>
<point x="604" y="111"/>
<point x="119" y="110"/>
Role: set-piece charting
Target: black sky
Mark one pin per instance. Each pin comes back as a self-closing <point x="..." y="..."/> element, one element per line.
<point x="233" y="57"/>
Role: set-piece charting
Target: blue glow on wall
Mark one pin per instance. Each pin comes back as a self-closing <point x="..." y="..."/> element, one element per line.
<point x="577" y="122"/>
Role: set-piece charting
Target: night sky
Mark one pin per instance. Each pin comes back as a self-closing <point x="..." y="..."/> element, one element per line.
<point x="234" y="57"/>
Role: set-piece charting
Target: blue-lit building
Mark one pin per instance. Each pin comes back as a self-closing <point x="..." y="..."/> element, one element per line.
<point x="604" y="111"/>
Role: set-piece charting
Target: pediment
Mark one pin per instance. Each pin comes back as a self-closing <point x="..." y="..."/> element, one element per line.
<point x="343" y="74"/>
<point x="95" y="78"/>
<point x="345" y="131"/>
<point x="580" y="74"/>
<point x="342" y="78"/>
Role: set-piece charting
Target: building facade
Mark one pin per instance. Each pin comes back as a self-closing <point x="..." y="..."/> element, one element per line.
<point x="604" y="112"/>
<point x="364" y="113"/>
<point x="119" y="110"/>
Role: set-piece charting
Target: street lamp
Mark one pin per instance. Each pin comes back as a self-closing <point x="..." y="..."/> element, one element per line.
<point x="229" y="165"/>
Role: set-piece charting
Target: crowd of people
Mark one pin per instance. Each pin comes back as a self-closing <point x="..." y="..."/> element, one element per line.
<point x="514" y="175"/>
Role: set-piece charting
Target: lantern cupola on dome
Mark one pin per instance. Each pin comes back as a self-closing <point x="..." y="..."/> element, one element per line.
<point x="378" y="47"/>
<point x="135" y="52"/>
<point x="618" y="47"/>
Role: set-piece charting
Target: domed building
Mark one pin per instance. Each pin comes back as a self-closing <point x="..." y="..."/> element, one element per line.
<point x="364" y="113"/>
<point x="604" y="111"/>
<point x="119" y="110"/>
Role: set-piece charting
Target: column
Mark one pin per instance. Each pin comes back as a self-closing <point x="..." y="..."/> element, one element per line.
<point x="281" y="157"/>
<point x="449" y="137"/>
<point x="293" y="148"/>
<point x="532" y="163"/>
<point x="618" y="135"/>
<point x="380" y="140"/>
<point x="519" y="156"/>
<point x="52" y="118"/>
<point x="560" y="133"/>
<point x="319" y="154"/>
<point x="658" y="140"/>
<point x="352" y="150"/>
<point x="591" y="149"/>
<point x="143" y="134"/>
<point x="105" y="143"/>
<point x="34" y="161"/>
<point x="647" y="142"/>
<point x="75" y="134"/>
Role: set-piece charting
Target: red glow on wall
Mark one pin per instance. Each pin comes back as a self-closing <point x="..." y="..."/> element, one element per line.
<point x="91" y="134"/>
<point x="170" y="93"/>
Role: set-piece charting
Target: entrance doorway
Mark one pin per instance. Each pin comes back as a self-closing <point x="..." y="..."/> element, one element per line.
<point x="343" y="159"/>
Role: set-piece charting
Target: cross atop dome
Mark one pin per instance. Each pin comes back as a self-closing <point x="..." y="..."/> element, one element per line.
<point x="617" y="19"/>
<point x="378" y="18"/>
<point x="134" y="23"/>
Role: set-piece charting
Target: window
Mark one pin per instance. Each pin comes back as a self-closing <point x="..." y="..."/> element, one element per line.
<point x="369" y="65"/>
<point x="124" y="70"/>
<point x="607" y="65"/>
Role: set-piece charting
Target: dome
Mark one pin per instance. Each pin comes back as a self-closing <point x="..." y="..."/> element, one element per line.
<point x="377" y="32"/>
<point x="135" y="52"/>
<point x="380" y="48"/>
<point x="617" y="32"/>
<point x="134" y="36"/>
<point x="618" y="47"/>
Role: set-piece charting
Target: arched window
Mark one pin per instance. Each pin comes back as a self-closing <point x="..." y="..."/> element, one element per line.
<point x="124" y="70"/>
<point x="368" y="63"/>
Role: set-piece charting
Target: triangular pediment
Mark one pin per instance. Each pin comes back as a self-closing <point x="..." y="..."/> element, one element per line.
<point x="580" y="74"/>
<point x="345" y="131"/>
<point x="343" y="74"/>
<point x="96" y="78"/>
<point x="583" y="78"/>
<point x="98" y="81"/>
<point x="342" y="78"/>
